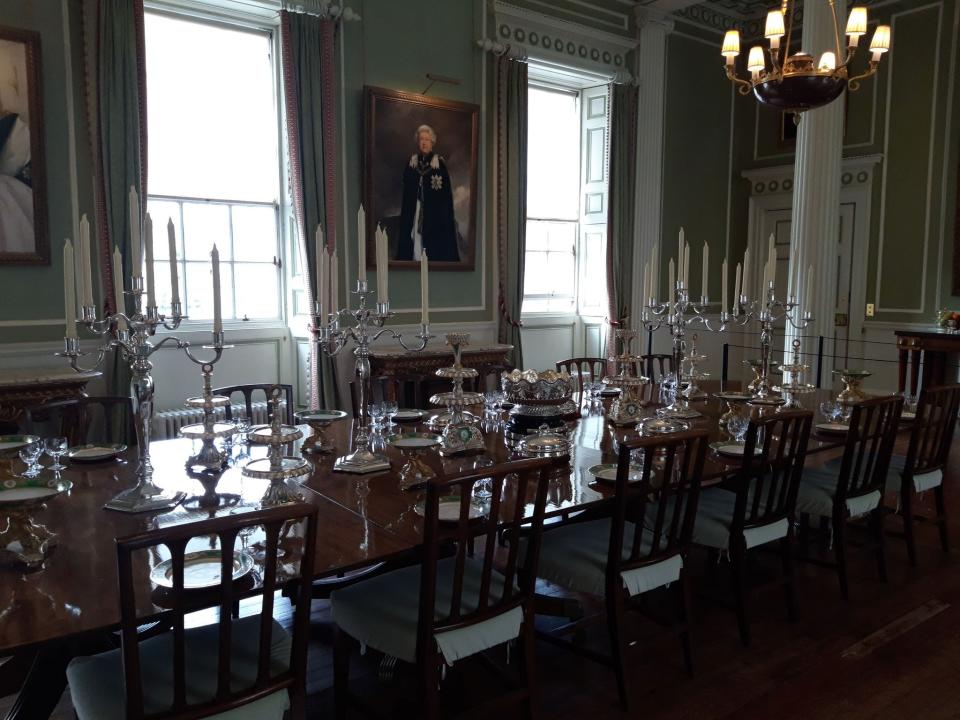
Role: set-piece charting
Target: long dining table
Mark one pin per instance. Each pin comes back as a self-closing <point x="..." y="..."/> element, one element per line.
<point x="363" y="520"/>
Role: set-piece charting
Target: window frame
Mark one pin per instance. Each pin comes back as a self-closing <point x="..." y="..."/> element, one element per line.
<point x="210" y="13"/>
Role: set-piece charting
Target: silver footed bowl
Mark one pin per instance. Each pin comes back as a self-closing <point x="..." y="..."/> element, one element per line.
<point x="530" y="387"/>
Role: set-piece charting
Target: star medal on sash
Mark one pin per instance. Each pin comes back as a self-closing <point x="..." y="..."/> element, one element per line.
<point x="436" y="182"/>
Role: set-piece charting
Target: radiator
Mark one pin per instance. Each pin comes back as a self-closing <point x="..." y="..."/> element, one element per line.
<point x="167" y="424"/>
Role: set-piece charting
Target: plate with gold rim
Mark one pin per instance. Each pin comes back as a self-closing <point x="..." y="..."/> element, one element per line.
<point x="201" y="569"/>
<point x="95" y="452"/>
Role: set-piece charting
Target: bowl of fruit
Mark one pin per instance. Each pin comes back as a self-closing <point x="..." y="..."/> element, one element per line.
<point x="948" y="320"/>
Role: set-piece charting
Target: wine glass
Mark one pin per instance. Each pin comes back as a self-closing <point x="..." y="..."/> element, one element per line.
<point x="737" y="426"/>
<point x="830" y="410"/>
<point x="483" y="488"/>
<point x="844" y="411"/>
<point x="55" y="447"/>
<point x="491" y="399"/>
<point x="375" y="410"/>
<point x="29" y="455"/>
<point x="242" y="423"/>
<point x="390" y="408"/>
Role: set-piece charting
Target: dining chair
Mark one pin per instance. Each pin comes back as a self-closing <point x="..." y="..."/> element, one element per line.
<point x="83" y="420"/>
<point x="248" y="393"/>
<point x="757" y="505"/>
<point x="637" y="545"/>
<point x="928" y="453"/>
<point x="654" y="366"/>
<point x="407" y="390"/>
<point x="585" y="370"/>
<point x="456" y="603"/>
<point x="246" y="668"/>
<point x="854" y="488"/>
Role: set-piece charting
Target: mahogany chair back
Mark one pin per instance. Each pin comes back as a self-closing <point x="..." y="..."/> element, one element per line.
<point x="933" y="429"/>
<point x="661" y="504"/>
<point x="248" y="394"/>
<point x="585" y="369"/>
<point x="83" y="420"/>
<point x="274" y="521"/>
<point x="654" y="366"/>
<point x="866" y="454"/>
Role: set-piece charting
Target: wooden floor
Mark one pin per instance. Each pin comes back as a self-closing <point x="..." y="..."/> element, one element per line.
<point x="893" y="651"/>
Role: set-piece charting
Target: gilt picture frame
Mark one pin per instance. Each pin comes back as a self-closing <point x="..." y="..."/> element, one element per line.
<point x="420" y="178"/>
<point x="24" y="234"/>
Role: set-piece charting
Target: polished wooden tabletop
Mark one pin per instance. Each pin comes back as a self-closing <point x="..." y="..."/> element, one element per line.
<point x="362" y="519"/>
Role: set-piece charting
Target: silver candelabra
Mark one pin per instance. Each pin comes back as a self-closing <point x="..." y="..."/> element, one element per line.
<point x="366" y="326"/>
<point x="130" y="336"/>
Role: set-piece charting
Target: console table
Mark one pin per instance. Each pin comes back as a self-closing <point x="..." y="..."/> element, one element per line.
<point x="935" y="345"/>
<point x="394" y="361"/>
<point x="21" y="388"/>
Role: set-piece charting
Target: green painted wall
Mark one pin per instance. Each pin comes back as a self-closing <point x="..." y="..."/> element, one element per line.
<point x="36" y="292"/>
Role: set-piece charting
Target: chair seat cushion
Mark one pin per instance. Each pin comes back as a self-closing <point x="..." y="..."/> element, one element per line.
<point x="817" y="489"/>
<point x="97" y="683"/>
<point x="922" y="482"/>
<point x="575" y="556"/>
<point x="715" y="515"/>
<point x="383" y="612"/>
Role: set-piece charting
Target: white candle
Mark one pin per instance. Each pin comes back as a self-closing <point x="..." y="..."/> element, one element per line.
<point x="807" y="297"/>
<point x="217" y="316"/>
<point x="320" y="250"/>
<point x="86" y="266"/>
<point x="723" y="286"/>
<point x="381" y="247"/>
<point x="655" y="272"/>
<point x="773" y="266"/>
<point x="686" y="267"/>
<point x="323" y="296"/>
<point x="148" y="254"/>
<point x="736" y="292"/>
<point x="704" y="283"/>
<point x="118" y="298"/>
<point x="135" y="232"/>
<point x="424" y="290"/>
<point x="680" y="246"/>
<point x="646" y="282"/>
<point x="174" y="270"/>
<point x="361" y="245"/>
<point x="746" y="271"/>
<point x="69" y="290"/>
<point x="671" y="280"/>
<point x="334" y="285"/>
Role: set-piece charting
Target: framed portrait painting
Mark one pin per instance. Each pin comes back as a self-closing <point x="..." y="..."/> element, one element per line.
<point x="420" y="178"/>
<point x="23" y="193"/>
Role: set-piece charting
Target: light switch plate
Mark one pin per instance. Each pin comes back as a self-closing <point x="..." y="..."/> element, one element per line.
<point x="869" y="309"/>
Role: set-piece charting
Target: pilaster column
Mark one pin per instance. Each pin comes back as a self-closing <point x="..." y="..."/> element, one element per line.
<point x="651" y="76"/>
<point x="815" y="219"/>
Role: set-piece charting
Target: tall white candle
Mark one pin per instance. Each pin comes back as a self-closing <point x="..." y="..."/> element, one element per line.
<point x="85" y="262"/>
<point x="686" y="267"/>
<point x="361" y="244"/>
<point x="135" y="262"/>
<point x="323" y="293"/>
<point x="321" y="251"/>
<point x="118" y="298"/>
<point x="217" y="316"/>
<point x="704" y="282"/>
<point x="680" y="247"/>
<point x="148" y="255"/>
<point x="736" y="292"/>
<point x="746" y="270"/>
<point x="69" y="290"/>
<point x="174" y="269"/>
<point x="334" y="285"/>
<point x="807" y="297"/>
<point x="773" y="266"/>
<point x="655" y="272"/>
<point x="672" y="281"/>
<point x="723" y="286"/>
<point x="646" y="282"/>
<point x="381" y="246"/>
<point x="424" y="290"/>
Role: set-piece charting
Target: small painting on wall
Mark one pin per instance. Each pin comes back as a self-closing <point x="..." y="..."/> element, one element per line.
<point x="420" y="178"/>
<point x="23" y="208"/>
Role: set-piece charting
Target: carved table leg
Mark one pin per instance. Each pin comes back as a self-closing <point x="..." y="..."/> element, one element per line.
<point x="902" y="377"/>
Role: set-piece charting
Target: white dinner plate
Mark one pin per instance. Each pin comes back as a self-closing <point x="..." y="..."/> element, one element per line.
<point x="201" y="569"/>
<point x="449" y="510"/>
<point x="608" y="472"/>
<point x="832" y="427"/>
<point x="408" y="415"/>
<point x="95" y="453"/>
<point x="906" y="415"/>
<point x="732" y="449"/>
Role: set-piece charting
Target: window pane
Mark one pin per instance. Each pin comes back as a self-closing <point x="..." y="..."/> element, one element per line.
<point x="254" y="233"/>
<point x="258" y="296"/>
<point x="199" y="300"/>
<point x="160" y="213"/>
<point x="561" y="237"/>
<point x="553" y="155"/>
<point x="162" y="285"/>
<point x="206" y="225"/>
<point x="536" y="235"/>
<point x="536" y="281"/>
<point x="560" y="270"/>
<point x="212" y="112"/>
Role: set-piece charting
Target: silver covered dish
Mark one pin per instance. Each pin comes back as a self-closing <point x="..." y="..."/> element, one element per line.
<point x="546" y="442"/>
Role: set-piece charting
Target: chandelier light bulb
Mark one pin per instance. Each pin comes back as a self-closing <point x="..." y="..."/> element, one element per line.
<point x="731" y="44"/>
<point x="880" y="42"/>
<point x="856" y="24"/>
<point x="756" y="62"/>
<point x="828" y="62"/>
<point x="774" y="28"/>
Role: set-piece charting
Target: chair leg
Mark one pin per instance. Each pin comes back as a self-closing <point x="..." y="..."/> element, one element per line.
<point x="738" y="578"/>
<point x="341" y="673"/>
<point x="942" y="517"/>
<point x="877" y="520"/>
<point x="906" y="512"/>
<point x="790" y="576"/>
<point x="528" y="650"/>
<point x="430" y="692"/>
<point x="840" y="548"/>
<point x="618" y="645"/>
<point x="804" y="535"/>
<point x="685" y="610"/>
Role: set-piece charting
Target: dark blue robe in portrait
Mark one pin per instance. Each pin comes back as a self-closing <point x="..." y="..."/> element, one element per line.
<point x="425" y="179"/>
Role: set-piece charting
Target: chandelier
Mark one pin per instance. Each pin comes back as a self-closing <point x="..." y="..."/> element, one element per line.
<point x="794" y="83"/>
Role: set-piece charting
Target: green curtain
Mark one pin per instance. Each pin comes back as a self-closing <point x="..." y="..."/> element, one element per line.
<point x="622" y="208"/>
<point x="511" y="126"/>
<point x="307" y="44"/>
<point x="121" y="137"/>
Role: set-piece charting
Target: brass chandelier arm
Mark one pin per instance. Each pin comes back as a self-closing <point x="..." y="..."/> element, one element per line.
<point x="744" y="87"/>
<point x="854" y="82"/>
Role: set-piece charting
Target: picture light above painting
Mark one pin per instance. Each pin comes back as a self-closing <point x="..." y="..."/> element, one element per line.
<point x="23" y="194"/>
<point x="420" y="178"/>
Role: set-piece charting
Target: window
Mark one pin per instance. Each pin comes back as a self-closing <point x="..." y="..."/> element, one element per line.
<point x="565" y="269"/>
<point x="214" y="163"/>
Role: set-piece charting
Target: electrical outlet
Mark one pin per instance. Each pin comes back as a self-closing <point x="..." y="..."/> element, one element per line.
<point x="869" y="309"/>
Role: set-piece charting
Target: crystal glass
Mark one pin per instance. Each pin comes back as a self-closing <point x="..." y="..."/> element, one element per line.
<point x="55" y="447"/>
<point x="242" y="423"/>
<point x="29" y="455"/>
<point x="390" y="409"/>
<point x="845" y="411"/>
<point x="830" y="410"/>
<point x="909" y="401"/>
<point x="490" y="401"/>
<point x="483" y="488"/>
<point x="737" y="426"/>
<point x="376" y="412"/>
